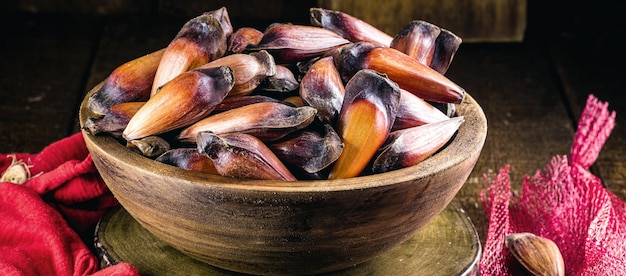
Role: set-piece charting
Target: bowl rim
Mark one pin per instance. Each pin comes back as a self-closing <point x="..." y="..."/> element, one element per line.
<point x="466" y="138"/>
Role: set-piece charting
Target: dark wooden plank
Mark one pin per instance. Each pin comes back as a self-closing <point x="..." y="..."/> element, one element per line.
<point x="589" y="60"/>
<point x="128" y="37"/>
<point x="78" y="7"/>
<point x="527" y="119"/>
<point x="241" y="10"/>
<point x="43" y="72"/>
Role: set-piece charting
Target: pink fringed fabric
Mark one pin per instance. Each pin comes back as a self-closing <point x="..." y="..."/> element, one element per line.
<point x="565" y="203"/>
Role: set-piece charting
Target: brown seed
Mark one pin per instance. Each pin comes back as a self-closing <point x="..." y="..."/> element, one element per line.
<point x="222" y="16"/>
<point x="181" y="102"/>
<point x="295" y="101"/>
<point x="114" y="121"/>
<point x="241" y="155"/>
<point x="303" y="66"/>
<point x="129" y="82"/>
<point x="414" y="111"/>
<point x="348" y="26"/>
<point x="310" y="150"/>
<point x="150" y="146"/>
<point x="322" y="88"/>
<point x="293" y="43"/>
<point x="242" y="38"/>
<point x="283" y="81"/>
<point x="369" y="108"/>
<point x="446" y="45"/>
<point x="410" y="146"/>
<point x="199" y="41"/>
<point x="417" y="40"/>
<point x="188" y="159"/>
<point x="235" y="102"/>
<point x="539" y="255"/>
<point x="248" y="69"/>
<point x="268" y="121"/>
<point x="408" y="73"/>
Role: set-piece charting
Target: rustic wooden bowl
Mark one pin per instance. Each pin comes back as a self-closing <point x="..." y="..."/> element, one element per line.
<point x="303" y="227"/>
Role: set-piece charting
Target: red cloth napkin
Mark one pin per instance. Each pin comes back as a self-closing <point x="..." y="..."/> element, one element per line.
<point x="41" y="219"/>
<point x="565" y="203"/>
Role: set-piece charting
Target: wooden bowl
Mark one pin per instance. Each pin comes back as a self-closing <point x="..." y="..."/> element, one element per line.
<point x="271" y="227"/>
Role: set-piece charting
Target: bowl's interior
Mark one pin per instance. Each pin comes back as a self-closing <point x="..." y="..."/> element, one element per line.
<point x="466" y="143"/>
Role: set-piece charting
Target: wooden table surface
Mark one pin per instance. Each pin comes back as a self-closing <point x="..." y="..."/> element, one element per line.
<point x="532" y="92"/>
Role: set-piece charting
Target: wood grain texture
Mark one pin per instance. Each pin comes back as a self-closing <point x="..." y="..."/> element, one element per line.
<point x="78" y="6"/>
<point x="474" y="21"/>
<point x="273" y="227"/>
<point x="35" y="98"/>
<point x="448" y="245"/>
<point x="269" y="11"/>
<point x="130" y="37"/>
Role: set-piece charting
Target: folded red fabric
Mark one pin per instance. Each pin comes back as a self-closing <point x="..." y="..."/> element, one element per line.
<point x="59" y="196"/>
<point x="565" y="203"/>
